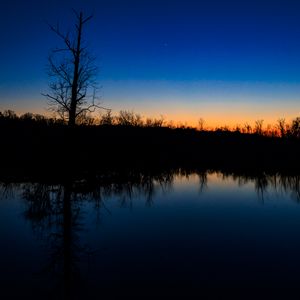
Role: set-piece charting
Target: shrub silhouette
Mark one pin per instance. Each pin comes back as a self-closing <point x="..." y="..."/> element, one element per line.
<point x="295" y="128"/>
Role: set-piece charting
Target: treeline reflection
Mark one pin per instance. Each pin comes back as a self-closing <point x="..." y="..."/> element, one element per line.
<point x="45" y="198"/>
<point x="278" y="183"/>
<point x="55" y="210"/>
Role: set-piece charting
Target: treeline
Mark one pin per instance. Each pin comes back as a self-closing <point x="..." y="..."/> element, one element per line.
<point x="282" y="128"/>
<point x="42" y="146"/>
<point x="124" y="118"/>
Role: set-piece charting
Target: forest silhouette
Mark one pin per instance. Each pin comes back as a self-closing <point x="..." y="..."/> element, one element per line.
<point x="40" y="145"/>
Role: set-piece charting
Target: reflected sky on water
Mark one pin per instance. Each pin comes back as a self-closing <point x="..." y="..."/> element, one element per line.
<point x="167" y="232"/>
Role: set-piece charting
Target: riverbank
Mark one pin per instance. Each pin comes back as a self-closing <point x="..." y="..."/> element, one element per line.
<point x="56" y="150"/>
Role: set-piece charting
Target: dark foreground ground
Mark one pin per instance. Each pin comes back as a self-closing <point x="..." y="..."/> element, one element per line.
<point x="42" y="150"/>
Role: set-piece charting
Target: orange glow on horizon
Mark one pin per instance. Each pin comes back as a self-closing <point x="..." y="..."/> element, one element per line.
<point x="230" y="115"/>
<point x="214" y="114"/>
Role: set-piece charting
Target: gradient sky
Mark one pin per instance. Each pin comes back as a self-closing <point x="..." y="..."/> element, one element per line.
<point x="225" y="61"/>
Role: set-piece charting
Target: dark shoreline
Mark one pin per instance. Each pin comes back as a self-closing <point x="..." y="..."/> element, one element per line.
<point x="56" y="151"/>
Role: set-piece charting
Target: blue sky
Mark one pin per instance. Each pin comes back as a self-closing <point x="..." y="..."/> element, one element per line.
<point x="224" y="61"/>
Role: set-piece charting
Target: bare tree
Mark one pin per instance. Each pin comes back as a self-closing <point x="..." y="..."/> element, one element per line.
<point x="295" y="128"/>
<point x="259" y="127"/>
<point x="201" y="124"/>
<point x="73" y="71"/>
<point x="281" y="125"/>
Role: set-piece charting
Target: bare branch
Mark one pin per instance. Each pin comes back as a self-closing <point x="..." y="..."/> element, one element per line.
<point x="92" y="108"/>
<point x="73" y="73"/>
<point x="87" y="19"/>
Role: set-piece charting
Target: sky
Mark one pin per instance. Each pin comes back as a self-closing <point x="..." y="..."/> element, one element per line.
<point x="228" y="62"/>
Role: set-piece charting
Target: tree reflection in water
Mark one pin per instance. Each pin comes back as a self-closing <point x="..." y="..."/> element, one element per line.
<point x="55" y="211"/>
<point x="279" y="183"/>
<point x="55" y="215"/>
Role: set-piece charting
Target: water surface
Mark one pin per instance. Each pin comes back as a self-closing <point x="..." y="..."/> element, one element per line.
<point x="151" y="234"/>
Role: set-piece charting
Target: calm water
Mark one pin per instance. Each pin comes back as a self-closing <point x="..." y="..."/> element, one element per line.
<point x="163" y="234"/>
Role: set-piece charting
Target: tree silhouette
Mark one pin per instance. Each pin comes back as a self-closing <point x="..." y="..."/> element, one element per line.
<point x="72" y="71"/>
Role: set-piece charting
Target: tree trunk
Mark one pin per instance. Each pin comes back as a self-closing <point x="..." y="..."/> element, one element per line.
<point x="72" y="116"/>
<point x="67" y="241"/>
<point x="73" y="106"/>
